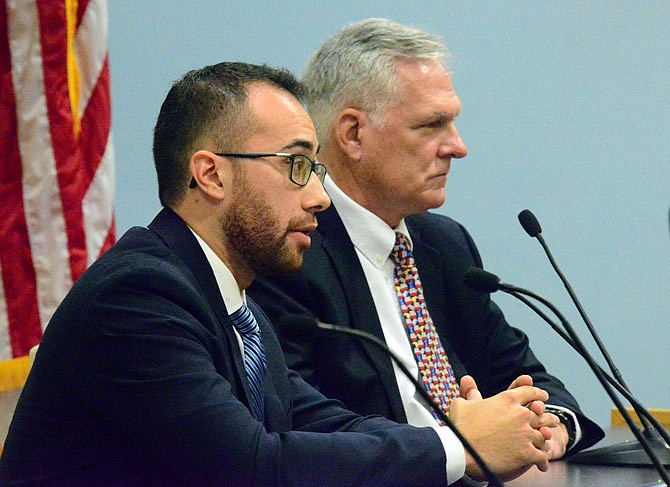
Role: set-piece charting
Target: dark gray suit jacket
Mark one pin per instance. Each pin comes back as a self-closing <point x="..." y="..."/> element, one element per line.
<point x="332" y="287"/>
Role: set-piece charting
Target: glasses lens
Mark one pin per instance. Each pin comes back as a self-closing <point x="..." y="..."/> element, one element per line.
<point x="302" y="167"/>
<point x="320" y="171"/>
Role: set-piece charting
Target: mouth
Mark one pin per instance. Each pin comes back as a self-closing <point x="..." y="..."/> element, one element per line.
<point x="440" y="177"/>
<point x="444" y="171"/>
<point x="302" y="233"/>
<point x="306" y="229"/>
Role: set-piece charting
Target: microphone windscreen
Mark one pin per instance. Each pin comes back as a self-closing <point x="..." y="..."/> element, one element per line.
<point x="298" y="326"/>
<point x="480" y="280"/>
<point x="530" y="223"/>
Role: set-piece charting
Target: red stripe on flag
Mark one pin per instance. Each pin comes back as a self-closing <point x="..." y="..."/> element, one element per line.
<point x="82" y="5"/>
<point x="18" y="275"/>
<point x="109" y="240"/>
<point x="95" y="129"/>
<point x="96" y="126"/>
<point x="92" y="144"/>
<point x="71" y="178"/>
<point x="76" y="162"/>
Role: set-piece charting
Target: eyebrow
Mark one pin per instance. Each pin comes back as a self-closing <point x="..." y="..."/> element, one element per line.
<point x="437" y="117"/>
<point x="301" y="144"/>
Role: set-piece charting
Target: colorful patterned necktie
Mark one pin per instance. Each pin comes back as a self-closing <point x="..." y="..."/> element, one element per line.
<point x="434" y="368"/>
<point x="254" y="357"/>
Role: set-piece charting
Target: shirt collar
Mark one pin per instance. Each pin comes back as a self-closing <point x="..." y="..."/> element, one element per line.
<point x="233" y="296"/>
<point x="370" y="235"/>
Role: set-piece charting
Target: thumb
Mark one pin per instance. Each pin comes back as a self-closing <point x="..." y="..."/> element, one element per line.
<point x="468" y="389"/>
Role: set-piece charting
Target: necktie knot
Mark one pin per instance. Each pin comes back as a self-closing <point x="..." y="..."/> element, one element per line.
<point x="401" y="253"/>
<point x="244" y="322"/>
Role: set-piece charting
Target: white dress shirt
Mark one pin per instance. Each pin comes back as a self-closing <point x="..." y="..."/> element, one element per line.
<point x="373" y="240"/>
<point x="233" y="296"/>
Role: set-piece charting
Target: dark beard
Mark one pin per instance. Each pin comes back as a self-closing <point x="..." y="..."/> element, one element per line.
<point x="254" y="236"/>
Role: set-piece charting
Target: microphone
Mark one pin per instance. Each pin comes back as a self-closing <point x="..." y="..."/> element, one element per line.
<point x="530" y="223"/>
<point x="296" y="325"/>
<point x="480" y="280"/>
<point x="532" y="227"/>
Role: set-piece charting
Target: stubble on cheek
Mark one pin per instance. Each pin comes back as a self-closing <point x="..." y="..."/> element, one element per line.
<point x="255" y="235"/>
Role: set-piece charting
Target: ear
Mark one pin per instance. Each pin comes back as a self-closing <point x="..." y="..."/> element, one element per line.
<point x="208" y="173"/>
<point x="348" y="130"/>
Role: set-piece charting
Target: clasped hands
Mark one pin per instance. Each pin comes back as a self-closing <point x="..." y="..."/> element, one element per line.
<point x="511" y="431"/>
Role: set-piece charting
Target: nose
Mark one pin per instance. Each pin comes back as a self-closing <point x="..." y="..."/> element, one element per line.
<point x="315" y="198"/>
<point x="453" y="146"/>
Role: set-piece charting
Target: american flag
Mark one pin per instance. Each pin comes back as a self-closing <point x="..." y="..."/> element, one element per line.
<point x="57" y="174"/>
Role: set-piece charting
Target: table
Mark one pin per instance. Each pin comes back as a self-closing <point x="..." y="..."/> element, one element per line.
<point x="564" y="474"/>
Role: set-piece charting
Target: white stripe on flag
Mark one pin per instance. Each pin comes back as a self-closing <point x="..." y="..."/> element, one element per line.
<point x="90" y="46"/>
<point x="41" y="195"/>
<point x="5" y="344"/>
<point x="97" y="207"/>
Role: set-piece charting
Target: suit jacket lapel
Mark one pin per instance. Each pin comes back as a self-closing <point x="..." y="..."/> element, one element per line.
<point x="363" y="316"/>
<point x="178" y="237"/>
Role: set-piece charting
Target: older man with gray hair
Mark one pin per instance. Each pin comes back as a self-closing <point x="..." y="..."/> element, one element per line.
<point x="384" y="107"/>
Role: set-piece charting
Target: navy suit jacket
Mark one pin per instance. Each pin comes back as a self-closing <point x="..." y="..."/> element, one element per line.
<point x="332" y="287"/>
<point x="139" y="380"/>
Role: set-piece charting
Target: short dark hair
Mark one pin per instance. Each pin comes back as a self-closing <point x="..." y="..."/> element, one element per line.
<point x="206" y="107"/>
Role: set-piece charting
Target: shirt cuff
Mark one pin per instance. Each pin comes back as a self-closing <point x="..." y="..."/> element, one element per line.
<point x="455" y="453"/>
<point x="578" y="429"/>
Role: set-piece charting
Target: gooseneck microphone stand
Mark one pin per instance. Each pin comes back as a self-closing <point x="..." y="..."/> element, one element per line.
<point x="491" y="477"/>
<point x="300" y="325"/>
<point x="639" y="408"/>
<point x="479" y="279"/>
<point x="629" y="453"/>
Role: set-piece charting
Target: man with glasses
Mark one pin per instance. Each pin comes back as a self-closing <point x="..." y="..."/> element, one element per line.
<point x="299" y="171"/>
<point x="156" y="369"/>
<point x="384" y="108"/>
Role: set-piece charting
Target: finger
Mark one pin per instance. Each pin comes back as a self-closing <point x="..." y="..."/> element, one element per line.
<point x="468" y="388"/>
<point x="546" y="432"/>
<point x="455" y="409"/>
<point x="537" y="407"/>
<point x="538" y="440"/>
<point x="549" y="420"/>
<point x="522" y="380"/>
<point x="556" y="447"/>
<point x="474" y="395"/>
<point x="544" y="420"/>
<point x="540" y="457"/>
<point x="527" y="394"/>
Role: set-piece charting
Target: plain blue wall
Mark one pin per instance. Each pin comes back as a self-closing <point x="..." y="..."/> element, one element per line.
<point x="566" y="112"/>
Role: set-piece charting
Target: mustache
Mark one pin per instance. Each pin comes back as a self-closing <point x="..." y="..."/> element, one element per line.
<point x="303" y="222"/>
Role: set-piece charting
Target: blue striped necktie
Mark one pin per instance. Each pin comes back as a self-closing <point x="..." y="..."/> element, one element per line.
<point x="254" y="357"/>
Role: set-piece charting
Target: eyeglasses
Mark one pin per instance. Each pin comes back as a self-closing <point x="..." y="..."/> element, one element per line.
<point x="299" y="170"/>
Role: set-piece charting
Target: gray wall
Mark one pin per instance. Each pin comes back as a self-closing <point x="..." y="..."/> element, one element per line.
<point x="566" y="112"/>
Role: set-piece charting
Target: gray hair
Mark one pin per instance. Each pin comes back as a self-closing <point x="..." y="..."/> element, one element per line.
<point x="356" y="68"/>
